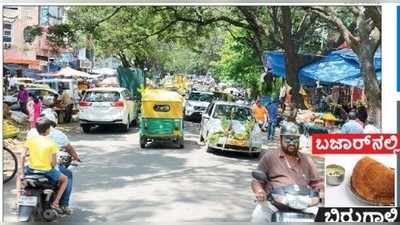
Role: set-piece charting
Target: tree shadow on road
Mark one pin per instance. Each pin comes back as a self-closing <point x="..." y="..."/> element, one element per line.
<point x="109" y="173"/>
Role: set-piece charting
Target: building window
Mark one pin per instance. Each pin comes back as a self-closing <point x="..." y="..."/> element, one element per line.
<point x="7" y="26"/>
<point x="44" y="15"/>
<point x="11" y="7"/>
<point x="7" y="38"/>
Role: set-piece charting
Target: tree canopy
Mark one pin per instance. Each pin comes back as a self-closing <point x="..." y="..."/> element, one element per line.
<point x="228" y="41"/>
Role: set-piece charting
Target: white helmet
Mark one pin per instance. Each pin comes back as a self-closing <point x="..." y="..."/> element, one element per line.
<point x="50" y="115"/>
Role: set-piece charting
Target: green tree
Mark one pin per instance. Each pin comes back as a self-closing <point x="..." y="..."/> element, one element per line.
<point x="238" y="62"/>
<point x="364" y="39"/>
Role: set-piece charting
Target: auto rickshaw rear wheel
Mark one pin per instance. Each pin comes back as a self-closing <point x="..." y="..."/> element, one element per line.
<point x="142" y="142"/>
<point x="134" y="122"/>
<point x="180" y="143"/>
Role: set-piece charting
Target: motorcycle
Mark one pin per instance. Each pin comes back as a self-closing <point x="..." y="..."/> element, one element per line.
<point x="290" y="203"/>
<point x="38" y="194"/>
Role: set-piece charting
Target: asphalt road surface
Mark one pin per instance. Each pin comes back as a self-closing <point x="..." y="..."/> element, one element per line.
<point x="118" y="181"/>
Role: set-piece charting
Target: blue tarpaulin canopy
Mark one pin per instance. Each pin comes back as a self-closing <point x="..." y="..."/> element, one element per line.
<point x="276" y="63"/>
<point x="338" y="67"/>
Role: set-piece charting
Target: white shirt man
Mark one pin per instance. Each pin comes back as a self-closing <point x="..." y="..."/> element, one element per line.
<point x="12" y="83"/>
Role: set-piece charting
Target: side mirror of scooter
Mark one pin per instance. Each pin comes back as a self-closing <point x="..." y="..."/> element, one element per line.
<point x="259" y="175"/>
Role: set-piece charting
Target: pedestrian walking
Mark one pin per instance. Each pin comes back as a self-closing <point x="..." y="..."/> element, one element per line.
<point x="272" y="109"/>
<point x="22" y="99"/>
<point x="12" y="84"/>
<point x="68" y="103"/>
<point x="260" y="113"/>
<point x="34" y="108"/>
<point x="6" y="82"/>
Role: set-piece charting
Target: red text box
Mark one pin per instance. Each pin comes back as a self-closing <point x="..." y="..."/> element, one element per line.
<point x="355" y="143"/>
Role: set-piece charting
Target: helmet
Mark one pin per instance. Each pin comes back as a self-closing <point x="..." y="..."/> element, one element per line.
<point x="50" y="115"/>
<point x="352" y="115"/>
<point x="329" y="117"/>
<point x="290" y="129"/>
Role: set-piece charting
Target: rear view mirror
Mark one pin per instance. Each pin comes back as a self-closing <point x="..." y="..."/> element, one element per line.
<point x="259" y="175"/>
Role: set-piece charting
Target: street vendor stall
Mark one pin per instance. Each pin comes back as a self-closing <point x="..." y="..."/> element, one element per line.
<point x="335" y="79"/>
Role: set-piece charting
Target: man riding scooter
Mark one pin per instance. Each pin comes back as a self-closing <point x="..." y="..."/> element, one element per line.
<point x="64" y="144"/>
<point x="285" y="171"/>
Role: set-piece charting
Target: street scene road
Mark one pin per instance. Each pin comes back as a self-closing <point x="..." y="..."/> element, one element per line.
<point x="118" y="181"/>
<point x="168" y="109"/>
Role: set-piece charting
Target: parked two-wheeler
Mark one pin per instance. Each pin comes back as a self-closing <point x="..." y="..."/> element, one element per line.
<point x="10" y="165"/>
<point x="38" y="194"/>
<point x="293" y="203"/>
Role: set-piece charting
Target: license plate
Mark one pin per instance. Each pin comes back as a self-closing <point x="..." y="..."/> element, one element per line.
<point x="238" y="143"/>
<point x="102" y="104"/>
<point x="28" y="200"/>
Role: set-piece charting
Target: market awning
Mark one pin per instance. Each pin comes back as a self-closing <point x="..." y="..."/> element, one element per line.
<point x="69" y="72"/>
<point x="275" y="61"/>
<point x="338" y="67"/>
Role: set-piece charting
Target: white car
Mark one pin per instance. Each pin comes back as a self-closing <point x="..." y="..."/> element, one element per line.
<point x="229" y="126"/>
<point x="197" y="103"/>
<point x="108" y="105"/>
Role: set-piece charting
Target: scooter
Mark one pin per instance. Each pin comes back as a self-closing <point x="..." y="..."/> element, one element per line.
<point x="291" y="203"/>
<point x="38" y="194"/>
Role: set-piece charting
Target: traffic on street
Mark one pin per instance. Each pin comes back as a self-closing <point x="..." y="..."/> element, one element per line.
<point x="180" y="113"/>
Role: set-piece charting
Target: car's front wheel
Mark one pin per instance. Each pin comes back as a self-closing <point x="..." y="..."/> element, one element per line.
<point x="201" y="138"/>
<point x="85" y="128"/>
<point x="209" y="149"/>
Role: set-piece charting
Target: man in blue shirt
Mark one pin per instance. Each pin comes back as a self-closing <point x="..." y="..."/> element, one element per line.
<point x="272" y="108"/>
<point x="352" y="126"/>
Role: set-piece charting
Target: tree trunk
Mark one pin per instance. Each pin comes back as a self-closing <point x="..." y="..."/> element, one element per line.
<point x="124" y="60"/>
<point x="366" y="52"/>
<point x="291" y="59"/>
<point x="372" y="89"/>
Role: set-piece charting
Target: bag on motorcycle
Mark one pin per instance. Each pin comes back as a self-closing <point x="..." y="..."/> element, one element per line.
<point x="292" y="197"/>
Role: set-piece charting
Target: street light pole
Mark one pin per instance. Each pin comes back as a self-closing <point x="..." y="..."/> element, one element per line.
<point x="48" y="59"/>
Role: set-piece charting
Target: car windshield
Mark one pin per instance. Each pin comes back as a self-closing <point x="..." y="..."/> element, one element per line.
<point x="203" y="97"/>
<point x="38" y="92"/>
<point x="233" y="112"/>
<point x="101" y="96"/>
<point x="220" y="96"/>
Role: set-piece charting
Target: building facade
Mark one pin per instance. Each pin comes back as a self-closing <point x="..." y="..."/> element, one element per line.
<point x="15" y="19"/>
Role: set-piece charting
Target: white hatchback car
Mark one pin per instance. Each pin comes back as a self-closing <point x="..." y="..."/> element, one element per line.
<point x="109" y="105"/>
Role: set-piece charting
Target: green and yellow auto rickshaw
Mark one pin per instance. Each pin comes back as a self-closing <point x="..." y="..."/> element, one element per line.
<point x="162" y="117"/>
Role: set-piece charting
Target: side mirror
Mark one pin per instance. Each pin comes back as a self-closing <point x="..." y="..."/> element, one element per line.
<point x="205" y="116"/>
<point x="259" y="175"/>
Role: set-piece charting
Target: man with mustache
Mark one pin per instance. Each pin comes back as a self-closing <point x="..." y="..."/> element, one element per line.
<point x="284" y="167"/>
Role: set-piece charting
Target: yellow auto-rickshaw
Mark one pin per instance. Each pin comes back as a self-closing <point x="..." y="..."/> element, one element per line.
<point x="162" y="117"/>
